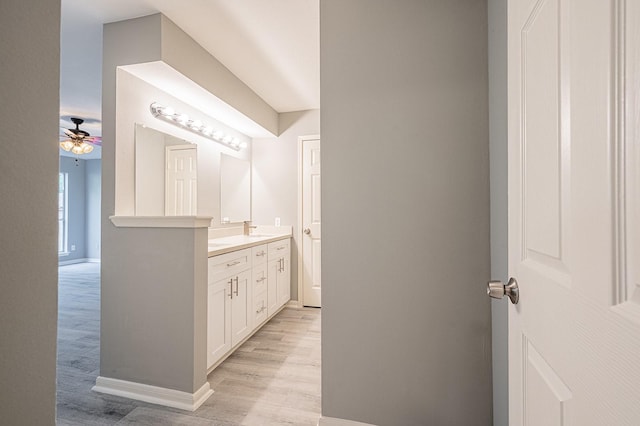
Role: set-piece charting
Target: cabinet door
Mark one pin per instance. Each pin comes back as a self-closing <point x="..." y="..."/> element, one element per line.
<point x="241" y="305"/>
<point x="284" y="281"/>
<point x="272" y="286"/>
<point x="218" y="320"/>
<point x="259" y="311"/>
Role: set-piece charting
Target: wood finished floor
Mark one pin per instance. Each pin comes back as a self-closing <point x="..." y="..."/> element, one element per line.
<point x="273" y="379"/>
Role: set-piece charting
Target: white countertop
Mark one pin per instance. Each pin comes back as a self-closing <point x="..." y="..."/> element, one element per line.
<point x="238" y="242"/>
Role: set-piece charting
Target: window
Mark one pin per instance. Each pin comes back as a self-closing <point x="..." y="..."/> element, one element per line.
<point x="63" y="223"/>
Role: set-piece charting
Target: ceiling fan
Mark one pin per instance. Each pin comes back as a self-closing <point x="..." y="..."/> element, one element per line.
<point x="79" y="141"/>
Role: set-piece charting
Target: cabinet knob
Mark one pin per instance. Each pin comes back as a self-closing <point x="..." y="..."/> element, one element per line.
<point x="307" y="231"/>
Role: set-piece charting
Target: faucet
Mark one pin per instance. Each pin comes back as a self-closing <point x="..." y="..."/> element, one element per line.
<point x="248" y="227"/>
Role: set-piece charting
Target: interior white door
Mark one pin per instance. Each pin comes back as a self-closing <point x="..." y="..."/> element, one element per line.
<point x="311" y="247"/>
<point x="181" y="182"/>
<point x="574" y="337"/>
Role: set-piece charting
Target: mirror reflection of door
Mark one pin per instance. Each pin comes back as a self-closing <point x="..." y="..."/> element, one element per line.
<point x="181" y="180"/>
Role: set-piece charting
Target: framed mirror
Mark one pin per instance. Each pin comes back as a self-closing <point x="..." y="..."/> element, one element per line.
<point x="165" y="174"/>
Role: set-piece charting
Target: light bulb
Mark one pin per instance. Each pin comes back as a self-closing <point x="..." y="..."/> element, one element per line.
<point x="66" y="145"/>
<point x="77" y="149"/>
<point x="218" y="135"/>
<point x="183" y="119"/>
<point x="243" y="145"/>
<point x="227" y="139"/>
<point x="167" y="111"/>
<point x="86" y="147"/>
<point x="196" y="125"/>
<point x="207" y="130"/>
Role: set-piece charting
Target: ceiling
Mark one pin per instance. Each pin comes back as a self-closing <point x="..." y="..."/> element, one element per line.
<point x="272" y="46"/>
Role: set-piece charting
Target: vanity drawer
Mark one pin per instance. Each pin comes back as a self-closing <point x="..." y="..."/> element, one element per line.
<point x="279" y="248"/>
<point x="259" y="254"/>
<point x="228" y="264"/>
<point x="259" y="278"/>
<point x="259" y="310"/>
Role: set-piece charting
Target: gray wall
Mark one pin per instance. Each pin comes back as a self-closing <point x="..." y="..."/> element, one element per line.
<point x="93" y="170"/>
<point x="406" y="332"/>
<point x="498" y="176"/>
<point x="275" y="177"/>
<point x="29" y="89"/>
<point x="84" y="208"/>
<point x="76" y="204"/>
<point x="154" y="280"/>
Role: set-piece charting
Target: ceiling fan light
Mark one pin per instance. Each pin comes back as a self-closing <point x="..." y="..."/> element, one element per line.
<point x="67" y="145"/>
<point x="77" y="149"/>
<point x="86" y="147"/>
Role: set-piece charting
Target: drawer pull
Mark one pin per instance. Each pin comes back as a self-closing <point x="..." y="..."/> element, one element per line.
<point x="261" y="279"/>
<point x="231" y="288"/>
<point x="262" y="253"/>
<point x="233" y="263"/>
<point x="281" y="248"/>
<point x="237" y="285"/>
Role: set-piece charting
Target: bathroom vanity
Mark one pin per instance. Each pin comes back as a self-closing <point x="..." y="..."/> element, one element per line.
<point x="248" y="283"/>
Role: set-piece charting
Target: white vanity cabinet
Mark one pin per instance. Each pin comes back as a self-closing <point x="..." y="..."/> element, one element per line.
<point x="246" y="287"/>
<point x="279" y="275"/>
<point x="229" y="318"/>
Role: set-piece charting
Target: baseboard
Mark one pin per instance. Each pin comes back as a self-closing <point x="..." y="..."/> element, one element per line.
<point x="332" y="421"/>
<point x="154" y="394"/>
<point x="72" y="261"/>
<point x="293" y="304"/>
<point x="80" y="260"/>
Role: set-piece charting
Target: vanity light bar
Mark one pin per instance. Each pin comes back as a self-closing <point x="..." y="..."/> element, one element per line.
<point x="169" y="115"/>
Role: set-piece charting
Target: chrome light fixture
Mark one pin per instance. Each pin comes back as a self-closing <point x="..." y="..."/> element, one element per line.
<point x="168" y="114"/>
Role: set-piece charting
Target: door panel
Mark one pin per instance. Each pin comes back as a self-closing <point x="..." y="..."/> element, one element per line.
<point x="574" y="337"/>
<point x="218" y="321"/>
<point x="241" y="305"/>
<point x="311" y="219"/>
<point x="181" y="181"/>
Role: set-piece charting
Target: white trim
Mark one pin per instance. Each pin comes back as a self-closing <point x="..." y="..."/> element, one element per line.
<point x="332" y="421"/>
<point x="299" y="234"/>
<point x="161" y="221"/>
<point x="154" y="394"/>
<point x="72" y="261"/>
<point x="80" y="260"/>
<point x="296" y="304"/>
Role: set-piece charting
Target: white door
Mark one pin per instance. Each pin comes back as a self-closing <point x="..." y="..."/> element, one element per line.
<point x="284" y="281"/>
<point x="241" y="305"/>
<point x="311" y="249"/>
<point x="218" y="320"/>
<point x="181" y="182"/>
<point x="574" y="337"/>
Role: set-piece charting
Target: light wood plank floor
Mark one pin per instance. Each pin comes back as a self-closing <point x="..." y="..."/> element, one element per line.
<point x="273" y="379"/>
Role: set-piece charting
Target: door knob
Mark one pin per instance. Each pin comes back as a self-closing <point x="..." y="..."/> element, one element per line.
<point x="307" y="231"/>
<point x="497" y="290"/>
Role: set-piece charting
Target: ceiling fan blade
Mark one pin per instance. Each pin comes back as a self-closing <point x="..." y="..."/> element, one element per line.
<point x="69" y="133"/>
<point x="96" y="140"/>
